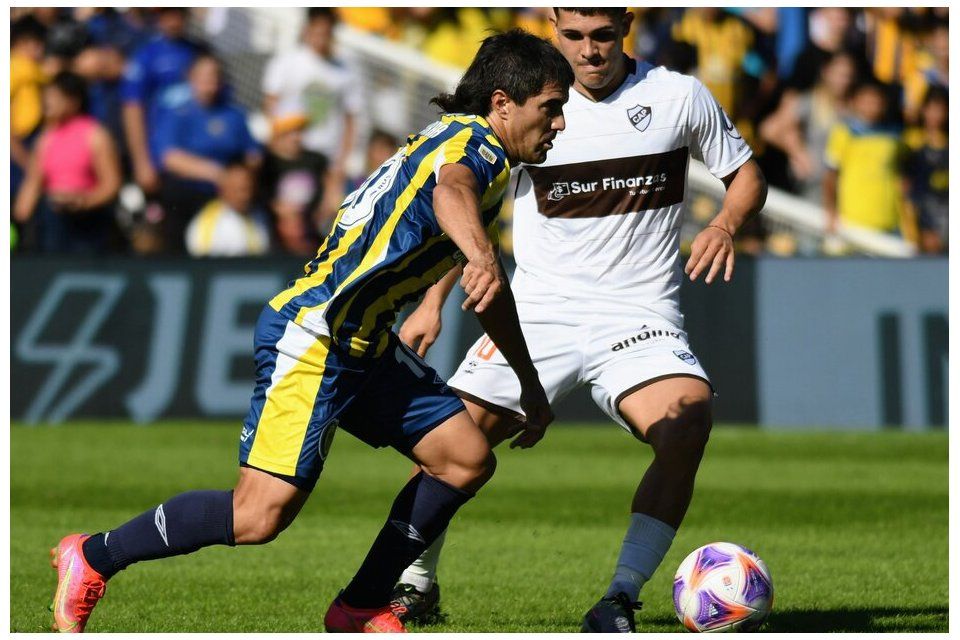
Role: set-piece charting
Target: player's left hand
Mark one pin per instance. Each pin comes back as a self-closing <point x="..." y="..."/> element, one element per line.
<point x="422" y="328"/>
<point x="712" y="249"/>
<point x="537" y="416"/>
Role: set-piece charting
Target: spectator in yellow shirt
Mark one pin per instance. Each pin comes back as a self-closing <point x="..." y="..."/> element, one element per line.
<point x="862" y="184"/>
<point x="27" y="37"/>
<point x="722" y="41"/>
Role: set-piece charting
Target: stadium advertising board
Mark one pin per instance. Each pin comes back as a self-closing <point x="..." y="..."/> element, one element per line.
<point x="831" y="343"/>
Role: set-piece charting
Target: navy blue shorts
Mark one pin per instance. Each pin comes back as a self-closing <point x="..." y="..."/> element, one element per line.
<point x="307" y="386"/>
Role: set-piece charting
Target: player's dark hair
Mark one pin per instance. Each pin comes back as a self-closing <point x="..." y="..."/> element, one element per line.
<point x="516" y="62"/>
<point x="614" y="12"/>
<point x="27" y="28"/>
<point x="322" y="13"/>
<point x="73" y="87"/>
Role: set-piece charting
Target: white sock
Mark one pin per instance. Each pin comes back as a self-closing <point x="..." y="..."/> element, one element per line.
<point x="423" y="572"/>
<point x="644" y="546"/>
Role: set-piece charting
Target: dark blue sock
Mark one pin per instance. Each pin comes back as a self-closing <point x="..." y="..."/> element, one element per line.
<point x="420" y="513"/>
<point x="181" y="525"/>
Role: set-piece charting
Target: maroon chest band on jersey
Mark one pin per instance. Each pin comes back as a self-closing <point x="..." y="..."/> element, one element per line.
<point x="610" y="187"/>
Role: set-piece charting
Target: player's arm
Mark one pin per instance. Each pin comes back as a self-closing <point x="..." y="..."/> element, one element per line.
<point x="500" y="322"/>
<point x="422" y="327"/>
<point x="712" y="249"/>
<point x="457" y="207"/>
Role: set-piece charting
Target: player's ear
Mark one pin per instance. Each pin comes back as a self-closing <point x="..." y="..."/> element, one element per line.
<point x="500" y="103"/>
<point x="627" y="21"/>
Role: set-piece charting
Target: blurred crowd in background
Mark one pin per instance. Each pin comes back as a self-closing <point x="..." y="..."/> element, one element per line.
<point x="127" y="137"/>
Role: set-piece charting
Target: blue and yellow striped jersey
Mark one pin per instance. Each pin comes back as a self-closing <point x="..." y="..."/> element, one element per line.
<point x="386" y="247"/>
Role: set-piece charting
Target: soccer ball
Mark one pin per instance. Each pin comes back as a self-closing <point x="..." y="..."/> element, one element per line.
<point x="722" y="587"/>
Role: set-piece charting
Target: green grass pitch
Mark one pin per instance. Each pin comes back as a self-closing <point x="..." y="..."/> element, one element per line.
<point x="852" y="526"/>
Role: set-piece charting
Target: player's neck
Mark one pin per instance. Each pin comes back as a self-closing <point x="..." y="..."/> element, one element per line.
<point x="499" y="129"/>
<point x="596" y="95"/>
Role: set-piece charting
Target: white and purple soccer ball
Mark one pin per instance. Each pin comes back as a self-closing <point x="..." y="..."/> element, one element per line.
<point x="722" y="587"/>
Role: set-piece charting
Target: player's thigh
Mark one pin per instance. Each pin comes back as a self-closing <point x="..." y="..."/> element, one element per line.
<point x="496" y="424"/>
<point x="304" y="382"/>
<point x="649" y="378"/>
<point x="403" y="401"/>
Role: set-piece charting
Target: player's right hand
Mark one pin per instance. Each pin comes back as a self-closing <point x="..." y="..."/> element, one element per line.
<point x="421" y="329"/>
<point x="537" y="416"/>
<point x="482" y="281"/>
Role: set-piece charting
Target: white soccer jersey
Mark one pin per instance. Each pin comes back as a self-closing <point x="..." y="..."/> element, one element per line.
<point x="597" y="226"/>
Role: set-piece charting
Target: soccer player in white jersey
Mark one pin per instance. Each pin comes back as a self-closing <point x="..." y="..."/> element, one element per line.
<point x="597" y="246"/>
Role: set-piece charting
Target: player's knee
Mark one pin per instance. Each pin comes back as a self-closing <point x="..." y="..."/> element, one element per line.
<point x="471" y="471"/>
<point x="478" y="469"/>
<point x="259" y="525"/>
<point x="486" y="468"/>
<point x="681" y="439"/>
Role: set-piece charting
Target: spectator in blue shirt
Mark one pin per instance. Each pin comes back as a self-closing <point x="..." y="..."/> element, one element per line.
<point x="195" y="142"/>
<point x="155" y="80"/>
<point x="123" y="31"/>
<point x="112" y="38"/>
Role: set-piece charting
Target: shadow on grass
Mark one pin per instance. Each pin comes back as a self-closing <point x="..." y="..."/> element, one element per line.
<point x="876" y="619"/>
<point x="864" y="620"/>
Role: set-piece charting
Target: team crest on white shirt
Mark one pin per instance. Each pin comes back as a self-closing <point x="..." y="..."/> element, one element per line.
<point x="640" y="117"/>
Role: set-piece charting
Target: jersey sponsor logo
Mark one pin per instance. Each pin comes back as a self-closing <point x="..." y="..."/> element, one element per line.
<point x="487" y="154"/>
<point x="610" y="187"/>
<point x="645" y="334"/>
<point x="686" y="356"/>
<point x="640" y="117"/>
<point x="559" y="191"/>
<point x="563" y="189"/>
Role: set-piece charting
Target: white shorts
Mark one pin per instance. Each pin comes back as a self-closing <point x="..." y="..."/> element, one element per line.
<point x="614" y="359"/>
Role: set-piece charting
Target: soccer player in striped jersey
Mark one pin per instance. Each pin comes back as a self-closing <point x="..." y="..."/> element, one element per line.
<point x="596" y="235"/>
<point x="326" y="356"/>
